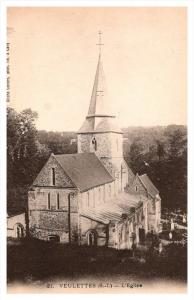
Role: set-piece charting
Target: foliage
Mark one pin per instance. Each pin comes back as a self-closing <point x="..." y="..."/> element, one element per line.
<point x="162" y="154"/>
<point x="25" y="155"/>
<point x="159" y="151"/>
<point x="27" y="152"/>
<point x="38" y="261"/>
<point x="58" y="142"/>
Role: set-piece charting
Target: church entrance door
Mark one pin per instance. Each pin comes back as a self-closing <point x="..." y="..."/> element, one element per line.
<point x="92" y="238"/>
<point x="54" y="238"/>
<point x="141" y="235"/>
<point x="19" y="231"/>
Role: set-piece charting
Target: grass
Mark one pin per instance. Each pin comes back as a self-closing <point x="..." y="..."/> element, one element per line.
<point x="39" y="260"/>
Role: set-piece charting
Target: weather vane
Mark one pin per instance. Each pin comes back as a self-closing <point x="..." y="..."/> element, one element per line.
<point x="100" y="41"/>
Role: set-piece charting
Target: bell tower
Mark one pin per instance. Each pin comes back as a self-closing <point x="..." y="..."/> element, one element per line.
<point x="100" y="133"/>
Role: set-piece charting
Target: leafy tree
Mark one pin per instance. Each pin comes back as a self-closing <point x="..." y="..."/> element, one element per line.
<point x="162" y="154"/>
<point x="25" y="156"/>
<point x="160" y="150"/>
<point x="177" y="144"/>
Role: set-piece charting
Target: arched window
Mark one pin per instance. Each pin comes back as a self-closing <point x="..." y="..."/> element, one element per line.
<point x="109" y="190"/>
<point x="54" y="238"/>
<point x="94" y="144"/>
<point x="49" y="201"/>
<point x="99" y="194"/>
<point x="88" y="199"/>
<point x="53" y="176"/>
<point x="92" y="238"/>
<point x="19" y="230"/>
<point x="58" y="204"/>
<point x="136" y="188"/>
<point x="104" y="193"/>
<point x="117" y="145"/>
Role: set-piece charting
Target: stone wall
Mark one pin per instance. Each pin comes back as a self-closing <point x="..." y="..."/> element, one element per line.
<point x="138" y="188"/>
<point x="103" y="144"/>
<point x="153" y="206"/>
<point x="44" y="178"/>
<point x="87" y="225"/>
<point x="109" y="147"/>
<point x="110" y="152"/>
<point x="13" y="222"/>
<point x="47" y="220"/>
<point x="123" y="234"/>
<point x="98" y="195"/>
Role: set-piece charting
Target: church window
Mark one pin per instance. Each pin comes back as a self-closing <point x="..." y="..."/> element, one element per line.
<point x="99" y="193"/>
<point x="109" y="190"/>
<point x="58" y="205"/>
<point x="92" y="238"/>
<point x="104" y="193"/>
<point x="49" y="201"/>
<point x="136" y="188"/>
<point x="88" y="199"/>
<point x="94" y="144"/>
<point x="53" y="176"/>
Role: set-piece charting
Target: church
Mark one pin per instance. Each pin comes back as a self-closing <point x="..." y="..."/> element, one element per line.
<point x="93" y="197"/>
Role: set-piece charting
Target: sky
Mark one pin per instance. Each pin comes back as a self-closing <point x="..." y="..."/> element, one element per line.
<point x="53" y="58"/>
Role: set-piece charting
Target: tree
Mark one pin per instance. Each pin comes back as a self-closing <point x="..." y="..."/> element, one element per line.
<point x="177" y="144"/>
<point x="162" y="154"/>
<point x="160" y="150"/>
<point x="21" y="145"/>
<point x="25" y="156"/>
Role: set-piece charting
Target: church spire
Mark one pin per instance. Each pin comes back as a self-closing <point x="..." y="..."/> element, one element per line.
<point x="100" y="41"/>
<point x="100" y="117"/>
<point x="99" y="103"/>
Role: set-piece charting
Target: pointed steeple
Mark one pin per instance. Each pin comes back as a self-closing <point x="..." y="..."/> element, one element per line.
<point x="100" y="117"/>
<point x="99" y="103"/>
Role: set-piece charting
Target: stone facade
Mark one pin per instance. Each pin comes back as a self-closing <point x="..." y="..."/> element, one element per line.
<point x="109" y="144"/>
<point x="53" y="212"/>
<point x="61" y="210"/>
<point x="109" y="149"/>
<point x="98" y="195"/>
<point x="44" y="178"/>
<point x="119" y="234"/>
<point x="16" y="226"/>
<point x="99" y="230"/>
<point x="154" y="204"/>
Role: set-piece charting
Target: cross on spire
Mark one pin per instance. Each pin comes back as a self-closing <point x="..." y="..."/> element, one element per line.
<point x="100" y="41"/>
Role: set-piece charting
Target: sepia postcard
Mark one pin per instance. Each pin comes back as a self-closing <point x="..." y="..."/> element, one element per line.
<point x="97" y="149"/>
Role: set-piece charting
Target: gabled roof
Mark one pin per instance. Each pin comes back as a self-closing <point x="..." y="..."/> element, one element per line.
<point x="150" y="187"/>
<point x="84" y="169"/>
<point x="113" y="210"/>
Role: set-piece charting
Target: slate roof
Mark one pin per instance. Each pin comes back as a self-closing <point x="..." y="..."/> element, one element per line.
<point x="150" y="187"/>
<point x="84" y="169"/>
<point x="123" y="203"/>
